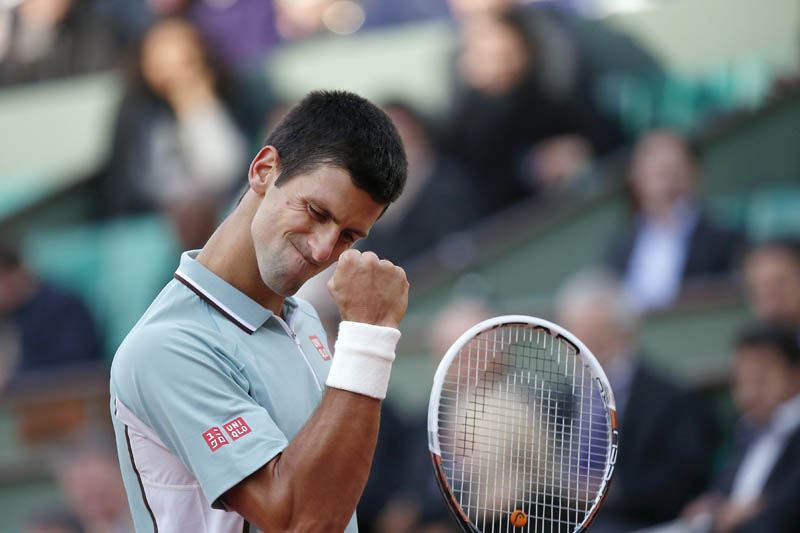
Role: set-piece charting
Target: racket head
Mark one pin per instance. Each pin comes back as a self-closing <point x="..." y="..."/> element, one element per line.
<point x="522" y="423"/>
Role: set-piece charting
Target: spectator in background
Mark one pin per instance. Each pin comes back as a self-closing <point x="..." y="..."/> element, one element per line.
<point x="666" y="435"/>
<point x="772" y="279"/>
<point x="90" y="480"/>
<point x="49" y="39"/>
<point x="438" y="199"/>
<point x="757" y="491"/>
<point x="503" y="125"/>
<point x="670" y="240"/>
<point x="46" y="327"/>
<point x="176" y="145"/>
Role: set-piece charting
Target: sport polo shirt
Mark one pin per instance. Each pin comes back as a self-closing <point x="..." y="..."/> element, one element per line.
<point x="206" y="388"/>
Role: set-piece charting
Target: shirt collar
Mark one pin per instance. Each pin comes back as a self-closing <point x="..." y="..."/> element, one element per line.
<point x="224" y="297"/>
<point x="683" y="218"/>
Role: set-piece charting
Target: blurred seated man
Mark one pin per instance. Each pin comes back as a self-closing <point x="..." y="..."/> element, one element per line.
<point x="772" y="279"/>
<point x="48" y="39"/>
<point x="670" y="240"/>
<point x="45" y="327"/>
<point x="757" y="491"/>
<point x="666" y="437"/>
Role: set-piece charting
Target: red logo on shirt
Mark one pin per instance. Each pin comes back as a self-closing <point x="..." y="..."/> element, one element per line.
<point x="237" y="428"/>
<point x="215" y="439"/>
<point x="320" y="347"/>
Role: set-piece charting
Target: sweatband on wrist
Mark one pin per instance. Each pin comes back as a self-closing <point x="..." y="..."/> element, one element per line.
<point x="362" y="361"/>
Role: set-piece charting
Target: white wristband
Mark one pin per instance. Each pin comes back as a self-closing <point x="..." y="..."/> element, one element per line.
<point x="363" y="358"/>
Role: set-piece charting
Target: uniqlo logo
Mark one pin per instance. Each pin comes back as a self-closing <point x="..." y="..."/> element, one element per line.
<point x="237" y="428"/>
<point x="215" y="439"/>
<point x="320" y="347"/>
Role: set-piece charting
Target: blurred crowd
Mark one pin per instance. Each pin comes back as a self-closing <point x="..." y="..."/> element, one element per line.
<point x="525" y="126"/>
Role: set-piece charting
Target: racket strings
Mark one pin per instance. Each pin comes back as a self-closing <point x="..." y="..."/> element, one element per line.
<point x="522" y="426"/>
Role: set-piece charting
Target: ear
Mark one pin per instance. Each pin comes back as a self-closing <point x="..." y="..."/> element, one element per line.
<point x="263" y="169"/>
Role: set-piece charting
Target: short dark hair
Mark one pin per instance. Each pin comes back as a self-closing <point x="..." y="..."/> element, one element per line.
<point x="345" y="130"/>
<point x="780" y="336"/>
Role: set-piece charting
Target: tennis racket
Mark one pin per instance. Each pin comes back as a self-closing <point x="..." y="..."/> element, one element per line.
<point x="522" y="428"/>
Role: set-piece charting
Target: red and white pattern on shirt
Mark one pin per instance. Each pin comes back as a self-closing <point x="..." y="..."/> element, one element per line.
<point x="215" y="439"/>
<point x="320" y="347"/>
<point x="237" y="428"/>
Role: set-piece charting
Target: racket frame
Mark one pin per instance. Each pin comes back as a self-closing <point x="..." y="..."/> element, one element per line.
<point x="556" y="332"/>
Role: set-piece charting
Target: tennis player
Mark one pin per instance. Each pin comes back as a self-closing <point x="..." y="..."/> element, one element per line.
<point x="230" y="413"/>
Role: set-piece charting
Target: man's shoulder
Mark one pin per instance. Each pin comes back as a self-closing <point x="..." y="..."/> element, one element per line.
<point x="172" y="333"/>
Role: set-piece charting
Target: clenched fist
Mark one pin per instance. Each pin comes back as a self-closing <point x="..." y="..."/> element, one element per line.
<point x="369" y="290"/>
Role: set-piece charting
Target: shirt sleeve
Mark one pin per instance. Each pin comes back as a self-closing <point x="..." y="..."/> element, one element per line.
<point x="192" y="392"/>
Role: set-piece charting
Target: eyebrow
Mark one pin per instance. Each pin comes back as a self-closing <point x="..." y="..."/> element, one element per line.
<point x="328" y="214"/>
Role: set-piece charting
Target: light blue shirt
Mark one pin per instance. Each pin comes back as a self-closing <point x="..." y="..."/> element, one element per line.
<point x="658" y="258"/>
<point x="206" y="388"/>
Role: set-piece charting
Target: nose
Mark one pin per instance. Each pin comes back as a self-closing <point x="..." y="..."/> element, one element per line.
<point x="323" y="242"/>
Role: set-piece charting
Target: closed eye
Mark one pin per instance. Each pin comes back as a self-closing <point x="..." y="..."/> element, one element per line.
<point x="318" y="215"/>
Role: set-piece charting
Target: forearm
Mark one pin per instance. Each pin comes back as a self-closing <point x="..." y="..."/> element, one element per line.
<point x="315" y="484"/>
<point x="317" y="481"/>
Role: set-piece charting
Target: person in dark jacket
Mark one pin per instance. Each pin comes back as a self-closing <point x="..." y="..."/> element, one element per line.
<point x="757" y="490"/>
<point x="666" y="433"/>
<point x="670" y="240"/>
<point x="44" y="327"/>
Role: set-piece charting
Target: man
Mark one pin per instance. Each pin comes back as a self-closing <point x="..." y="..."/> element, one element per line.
<point x="757" y="491"/>
<point x="772" y="278"/>
<point x="659" y="468"/>
<point x="671" y="240"/>
<point x="218" y="393"/>
<point x="27" y="302"/>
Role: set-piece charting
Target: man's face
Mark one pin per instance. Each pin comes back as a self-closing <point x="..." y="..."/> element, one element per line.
<point x="302" y="226"/>
<point x="661" y="172"/>
<point x="772" y="277"/>
<point x="762" y="380"/>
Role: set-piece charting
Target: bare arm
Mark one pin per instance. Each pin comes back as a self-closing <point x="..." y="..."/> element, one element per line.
<point x="315" y="484"/>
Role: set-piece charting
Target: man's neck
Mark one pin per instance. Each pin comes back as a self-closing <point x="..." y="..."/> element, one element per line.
<point x="230" y="255"/>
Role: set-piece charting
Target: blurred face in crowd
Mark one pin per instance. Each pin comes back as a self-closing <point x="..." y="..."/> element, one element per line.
<point x="772" y="278"/>
<point x="451" y="323"/>
<point x="762" y="380"/>
<point x="304" y="224"/>
<point x="594" y="324"/>
<point x="93" y="487"/>
<point x="172" y="57"/>
<point x="494" y="57"/>
<point x="662" y="172"/>
<point x="15" y="287"/>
